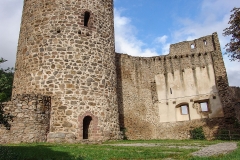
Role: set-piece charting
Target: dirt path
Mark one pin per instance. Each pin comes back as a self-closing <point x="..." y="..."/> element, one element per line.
<point x="184" y="146"/>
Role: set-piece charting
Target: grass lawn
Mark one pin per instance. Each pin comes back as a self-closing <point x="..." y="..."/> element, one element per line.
<point x="160" y="149"/>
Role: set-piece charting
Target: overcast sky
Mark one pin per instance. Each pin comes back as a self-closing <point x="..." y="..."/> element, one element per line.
<point x="143" y="27"/>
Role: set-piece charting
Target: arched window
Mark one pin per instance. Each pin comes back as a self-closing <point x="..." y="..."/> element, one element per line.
<point x="184" y="109"/>
<point x="86" y="18"/>
<point x="182" y="112"/>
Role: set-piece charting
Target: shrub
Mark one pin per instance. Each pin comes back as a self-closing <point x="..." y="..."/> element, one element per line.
<point x="124" y="130"/>
<point x="197" y="133"/>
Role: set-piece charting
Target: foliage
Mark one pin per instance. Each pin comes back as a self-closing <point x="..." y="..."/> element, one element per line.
<point x="197" y="133"/>
<point x="6" y="80"/>
<point x="124" y="130"/>
<point x="233" y="47"/>
<point x="236" y="123"/>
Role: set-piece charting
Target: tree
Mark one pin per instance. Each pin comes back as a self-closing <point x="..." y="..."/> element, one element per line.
<point x="6" y="80"/>
<point x="233" y="47"/>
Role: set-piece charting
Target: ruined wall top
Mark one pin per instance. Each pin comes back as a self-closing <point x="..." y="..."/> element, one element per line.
<point x="200" y="45"/>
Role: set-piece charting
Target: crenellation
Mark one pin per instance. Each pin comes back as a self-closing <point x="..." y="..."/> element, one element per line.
<point x="201" y="45"/>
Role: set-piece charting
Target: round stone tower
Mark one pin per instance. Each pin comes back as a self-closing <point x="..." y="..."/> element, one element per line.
<point x="66" y="51"/>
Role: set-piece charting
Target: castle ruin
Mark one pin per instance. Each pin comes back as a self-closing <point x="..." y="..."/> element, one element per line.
<point x="70" y="85"/>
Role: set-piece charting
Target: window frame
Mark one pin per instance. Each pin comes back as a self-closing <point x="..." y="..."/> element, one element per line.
<point x="181" y="109"/>
<point x="200" y="107"/>
<point x="207" y="106"/>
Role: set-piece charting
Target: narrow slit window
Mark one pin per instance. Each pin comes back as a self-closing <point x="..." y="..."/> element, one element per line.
<point x="184" y="110"/>
<point x="86" y="18"/>
<point x="205" y="42"/>
<point x="204" y="106"/>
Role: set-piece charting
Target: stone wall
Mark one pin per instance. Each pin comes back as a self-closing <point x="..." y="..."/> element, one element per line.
<point x="150" y="90"/>
<point x="235" y="94"/>
<point x="31" y="120"/>
<point x="200" y="45"/>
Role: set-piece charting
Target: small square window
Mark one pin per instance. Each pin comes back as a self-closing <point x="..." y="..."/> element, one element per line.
<point x="184" y="110"/>
<point x="204" y="106"/>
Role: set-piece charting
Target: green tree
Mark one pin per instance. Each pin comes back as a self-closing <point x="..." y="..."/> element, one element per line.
<point x="6" y="80"/>
<point x="233" y="47"/>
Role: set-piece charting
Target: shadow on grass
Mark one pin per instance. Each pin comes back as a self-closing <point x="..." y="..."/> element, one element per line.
<point x="35" y="152"/>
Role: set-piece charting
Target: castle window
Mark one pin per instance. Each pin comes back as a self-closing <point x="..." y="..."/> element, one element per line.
<point x="184" y="110"/>
<point x="86" y="18"/>
<point x="205" y="42"/>
<point x="192" y="46"/>
<point x="204" y="106"/>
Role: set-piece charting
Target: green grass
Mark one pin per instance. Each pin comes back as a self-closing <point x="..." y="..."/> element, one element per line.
<point x="46" y="151"/>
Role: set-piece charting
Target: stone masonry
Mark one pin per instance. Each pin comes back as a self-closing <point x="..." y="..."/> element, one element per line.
<point x="31" y="119"/>
<point x="66" y="55"/>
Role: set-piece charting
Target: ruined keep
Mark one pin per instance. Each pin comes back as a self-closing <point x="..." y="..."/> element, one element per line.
<point x="70" y="85"/>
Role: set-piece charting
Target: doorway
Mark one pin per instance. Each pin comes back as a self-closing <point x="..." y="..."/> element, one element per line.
<point x="86" y="125"/>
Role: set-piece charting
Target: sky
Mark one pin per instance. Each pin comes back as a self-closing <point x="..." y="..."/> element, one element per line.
<point x="143" y="27"/>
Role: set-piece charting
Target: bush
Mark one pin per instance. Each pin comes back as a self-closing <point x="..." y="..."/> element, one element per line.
<point x="197" y="133"/>
<point x="124" y="130"/>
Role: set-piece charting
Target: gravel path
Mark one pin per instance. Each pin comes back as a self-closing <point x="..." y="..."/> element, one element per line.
<point x="216" y="149"/>
<point x="159" y="144"/>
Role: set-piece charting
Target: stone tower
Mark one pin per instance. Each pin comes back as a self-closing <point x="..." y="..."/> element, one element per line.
<point x="66" y="51"/>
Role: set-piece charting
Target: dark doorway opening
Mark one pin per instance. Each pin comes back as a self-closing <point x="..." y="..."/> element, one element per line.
<point x="86" y="18"/>
<point x="86" y="124"/>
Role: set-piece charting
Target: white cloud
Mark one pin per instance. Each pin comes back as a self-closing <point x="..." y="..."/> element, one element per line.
<point x="10" y="17"/>
<point x="162" y="39"/>
<point x="214" y="17"/>
<point x="126" y="40"/>
<point x="233" y="71"/>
